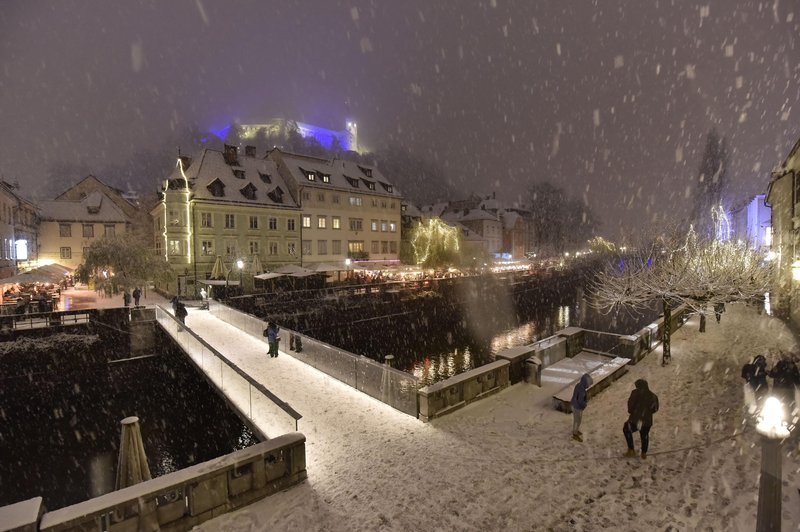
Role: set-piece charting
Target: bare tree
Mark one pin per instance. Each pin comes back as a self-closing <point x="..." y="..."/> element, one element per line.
<point x="694" y="271"/>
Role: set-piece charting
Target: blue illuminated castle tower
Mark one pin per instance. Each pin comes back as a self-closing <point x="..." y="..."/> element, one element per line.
<point x="347" y="138"/>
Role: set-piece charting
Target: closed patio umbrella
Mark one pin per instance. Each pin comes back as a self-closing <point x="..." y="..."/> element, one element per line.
<point x="255" y="266"/>
<point x="219" y="271"/>
<point x="132" y="465"/>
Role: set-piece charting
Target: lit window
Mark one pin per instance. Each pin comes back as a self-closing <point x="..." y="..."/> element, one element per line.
<point x="336" y="222"/>
<point x="374" y="225"/>
<point x="306" y="220"/>
<point x="392" y="227"/>
<point x="322" y="222"/>
<point x="384" y="226"/>
<point x="355" y="246"/>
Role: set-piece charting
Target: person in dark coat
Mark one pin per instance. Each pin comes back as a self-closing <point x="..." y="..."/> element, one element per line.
<point x="137" y="294"/>
<point x="785" y="378"/>
<point x="642" y="404"/>
<point x="181" y="312"/>
<point x="755" y="374"/>
<point x="580" y="398"/>
<point x="272" y="338"/>
<point x="126" y="298"/>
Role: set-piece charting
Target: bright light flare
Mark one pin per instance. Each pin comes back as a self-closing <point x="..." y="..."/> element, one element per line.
<point x="771" y="421"/>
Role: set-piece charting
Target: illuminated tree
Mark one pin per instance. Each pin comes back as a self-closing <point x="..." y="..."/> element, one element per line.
<point x="435" y="243"/>
<point x="599" y="244"/>
<point x="123" y="261"/>
<point x="695" y="271"/>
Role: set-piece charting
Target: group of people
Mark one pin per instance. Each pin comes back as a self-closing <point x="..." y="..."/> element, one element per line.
<point x="136" y="294"/>
<point x="785" y="380"/>
<point x="642" y="404"/>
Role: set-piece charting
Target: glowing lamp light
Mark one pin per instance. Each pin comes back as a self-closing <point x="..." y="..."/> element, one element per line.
<point x="347" y="262"/>
<point x="771" y="255"/>
<point x="240" y="264"/>
<point x="796" y="270"/>
<point x="771" y="421"/>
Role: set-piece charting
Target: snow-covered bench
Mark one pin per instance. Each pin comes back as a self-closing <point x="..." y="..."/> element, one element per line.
<point x="602" y="375"/>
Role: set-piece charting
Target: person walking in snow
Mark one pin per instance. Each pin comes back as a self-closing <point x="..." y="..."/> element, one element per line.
<point x="126" y="298"/>
<point x="642" y="404"/>
<point x="755" y="374"/>
<point x="271" y="332"/>
<point x="580" y="398"/>
<point x="137" y="294"/>
<point x="181" y="312"/>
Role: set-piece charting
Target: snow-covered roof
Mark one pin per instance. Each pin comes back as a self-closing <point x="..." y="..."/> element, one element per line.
<point x="412" y="210"/>
<point x="335" y="174"/>
<point x="435" y="209"/>
<point x="252" y="180"/>
<point x="510" y="219"/>
<point x="96" y="207"/>
<point x="476" y="214"/>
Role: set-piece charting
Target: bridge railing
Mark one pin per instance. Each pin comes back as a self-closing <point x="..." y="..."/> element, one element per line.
<point x="396" y="388"/>
<point x="253" y="400"/>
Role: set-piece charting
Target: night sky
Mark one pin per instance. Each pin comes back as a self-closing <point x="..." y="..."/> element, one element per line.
<point x="609" y="99"/>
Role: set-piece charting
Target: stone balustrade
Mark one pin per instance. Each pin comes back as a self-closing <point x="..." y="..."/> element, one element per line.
<point x="457" y="391"/>
<point x="178" y="501"/>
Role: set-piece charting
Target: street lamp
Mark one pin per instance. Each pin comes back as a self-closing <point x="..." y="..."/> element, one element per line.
<point x="773" y="430"/>
<point x="240" y="265"/>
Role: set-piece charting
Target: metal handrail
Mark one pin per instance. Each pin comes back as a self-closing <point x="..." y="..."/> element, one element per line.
<point x="255" y="384"/>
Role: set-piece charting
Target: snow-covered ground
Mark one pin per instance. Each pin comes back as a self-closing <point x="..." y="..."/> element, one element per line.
<point x="509" y="463"/>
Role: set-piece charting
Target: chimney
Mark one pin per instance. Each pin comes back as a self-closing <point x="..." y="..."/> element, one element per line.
<point x="249" y="151"/>
<point x="231" y="154"/>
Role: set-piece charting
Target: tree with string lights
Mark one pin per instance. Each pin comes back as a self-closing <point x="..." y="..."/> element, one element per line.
<point x="692" y="270"/>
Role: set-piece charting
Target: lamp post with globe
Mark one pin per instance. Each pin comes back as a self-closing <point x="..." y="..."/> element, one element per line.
<point x="773" y="431"/>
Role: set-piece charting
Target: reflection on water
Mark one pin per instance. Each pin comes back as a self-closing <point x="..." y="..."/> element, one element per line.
<point x="462" y="352"/>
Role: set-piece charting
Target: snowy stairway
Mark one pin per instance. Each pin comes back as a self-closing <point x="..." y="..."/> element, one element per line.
<point x="603" y="368"/>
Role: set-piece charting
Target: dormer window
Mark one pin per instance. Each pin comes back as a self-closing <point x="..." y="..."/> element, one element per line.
<point x="309" y="174"/>
<point x="239" y="174"/>
<point x="231" y="154"/>
<point x="326" y="178"/>
<point x="367" y="171"/>
<point x="353" y="182"/>
<point x="370" y="184"/>
<point x="264" y="177"/>
<point x="276" y="195"/>
<point x="386" y="186"/>
<point x="216" y="188"/>
<point x="248" y="191"/>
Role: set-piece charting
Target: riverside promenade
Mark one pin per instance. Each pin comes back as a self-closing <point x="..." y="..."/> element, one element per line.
<point x="508" y="462"/>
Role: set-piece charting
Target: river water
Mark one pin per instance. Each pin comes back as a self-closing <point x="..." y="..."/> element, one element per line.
<point x="60" y="430"/>
<point x="492" y="328"/>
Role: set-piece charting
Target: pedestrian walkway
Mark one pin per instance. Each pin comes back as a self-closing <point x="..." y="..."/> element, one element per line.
<point x="508" y="462"/>
<point x="80" y="297"/>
